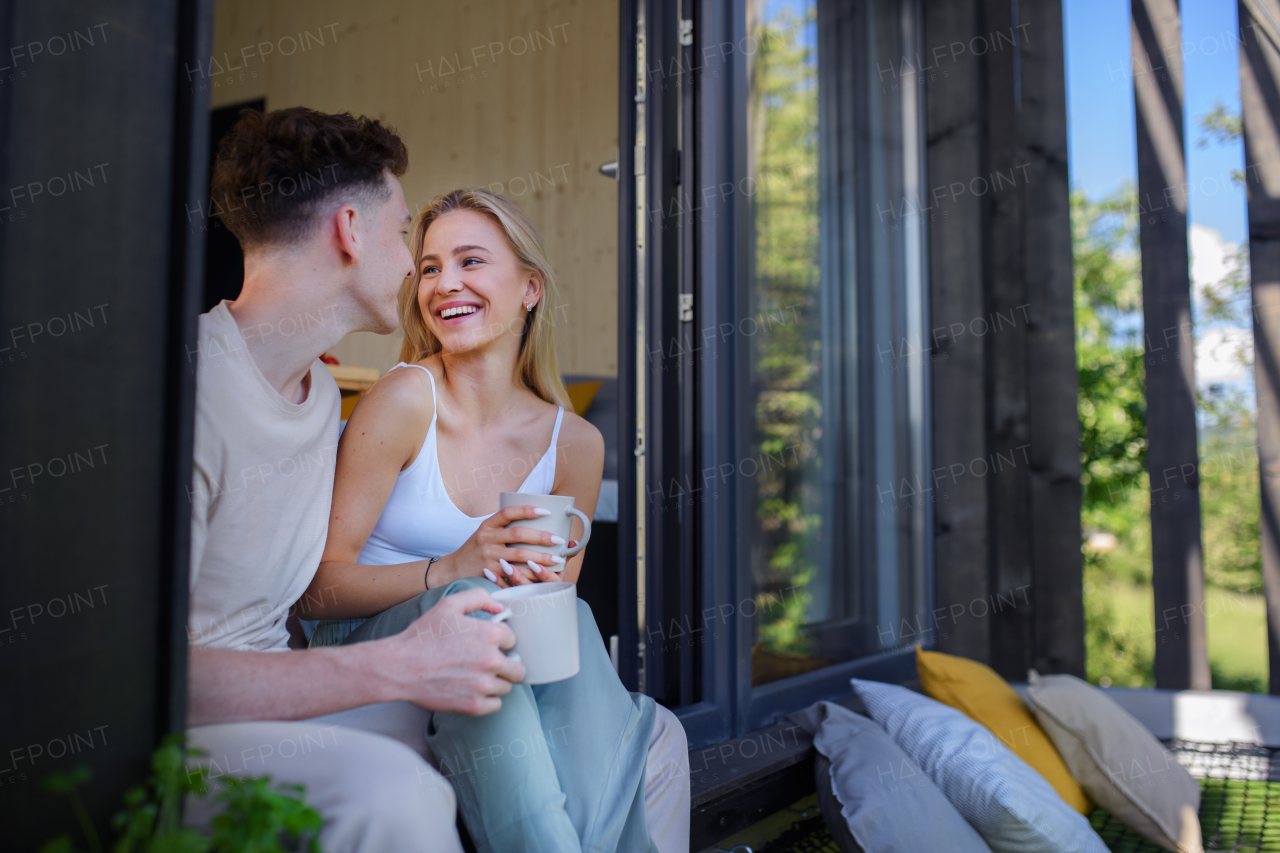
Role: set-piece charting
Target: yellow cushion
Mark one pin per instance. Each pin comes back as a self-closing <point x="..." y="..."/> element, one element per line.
<point x="581" y="394"/>
<point x="349" y="400"/>
<point x="982" y="695"/>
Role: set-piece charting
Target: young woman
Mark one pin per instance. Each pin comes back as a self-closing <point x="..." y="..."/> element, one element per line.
<point x="475" y="408"/>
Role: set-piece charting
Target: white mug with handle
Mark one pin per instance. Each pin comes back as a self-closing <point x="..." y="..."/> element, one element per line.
<point x="503" y="617"/>
<point x="544" y="618"/>
<point x="559" y="522"/>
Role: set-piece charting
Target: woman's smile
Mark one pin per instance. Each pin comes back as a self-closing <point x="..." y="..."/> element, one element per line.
<point x="453" y="313"/>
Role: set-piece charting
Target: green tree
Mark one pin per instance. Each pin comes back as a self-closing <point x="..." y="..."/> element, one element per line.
<point x="1108" y="297"/>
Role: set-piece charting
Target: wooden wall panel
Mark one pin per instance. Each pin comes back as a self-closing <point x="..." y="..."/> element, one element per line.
<point x="1007" y="543"/>
<point x="1007" y="368"/>
<point x="954" y="140"/>
<point x="1057" y="642"/>
<point x="501" y="92"/>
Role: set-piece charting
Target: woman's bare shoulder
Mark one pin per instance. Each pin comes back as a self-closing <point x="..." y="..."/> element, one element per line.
<point x="401" y="393"/>
<point x="580" y="436"/>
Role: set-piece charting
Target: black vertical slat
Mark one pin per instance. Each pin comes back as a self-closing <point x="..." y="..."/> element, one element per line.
<point x="1260" y="106"/>
<point x="1172" y="458"/>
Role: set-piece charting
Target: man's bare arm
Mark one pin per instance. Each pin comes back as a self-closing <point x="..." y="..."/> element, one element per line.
<point x="445" y="661"/>
<point x="227" y="686"/>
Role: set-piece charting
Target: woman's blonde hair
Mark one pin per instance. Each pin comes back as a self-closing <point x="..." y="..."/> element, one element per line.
<point x="537" y="360"/>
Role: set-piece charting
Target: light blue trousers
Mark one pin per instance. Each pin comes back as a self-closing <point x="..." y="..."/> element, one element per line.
<point x="560" y="767"/>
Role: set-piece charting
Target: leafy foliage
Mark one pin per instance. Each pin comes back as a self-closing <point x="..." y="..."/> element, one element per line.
<point x="1112" y="402"/>
<point x="1230" y="496"/>
<point x="258" y="814"/>
<point x="257" y="817"/>
<point x="1221" y="126"/>
<point x="1228" y="300"/>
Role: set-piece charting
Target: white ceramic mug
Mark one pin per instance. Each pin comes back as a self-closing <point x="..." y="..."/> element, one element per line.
<point x="544" y="618"/>
<point x="560" y="522"/>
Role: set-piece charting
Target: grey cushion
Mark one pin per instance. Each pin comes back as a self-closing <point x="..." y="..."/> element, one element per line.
<point x="830" y="806"/>
<point x="873" y="796"/>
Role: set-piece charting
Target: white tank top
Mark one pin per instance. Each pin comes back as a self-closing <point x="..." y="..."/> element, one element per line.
<point x="420" y="519"/>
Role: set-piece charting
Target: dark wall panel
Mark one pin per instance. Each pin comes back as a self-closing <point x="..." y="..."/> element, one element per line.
<point x="1053" y="459"/>
<point x="954" y="129"/>
<point x="98" y="148"/>
<point x="1007" y="539"/>
<point x="1009" y="377"/>
<point x="1260" y="104"/>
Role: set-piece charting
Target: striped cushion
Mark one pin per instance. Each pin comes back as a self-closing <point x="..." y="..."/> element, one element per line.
<point x="1011" y="805"/>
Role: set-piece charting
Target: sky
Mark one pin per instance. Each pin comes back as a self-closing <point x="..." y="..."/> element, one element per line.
<point x="1100" y="113"/>
<point x="1100" y="103"/>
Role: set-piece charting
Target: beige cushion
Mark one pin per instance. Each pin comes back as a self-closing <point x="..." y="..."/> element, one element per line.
<point x="1118" y="762"/>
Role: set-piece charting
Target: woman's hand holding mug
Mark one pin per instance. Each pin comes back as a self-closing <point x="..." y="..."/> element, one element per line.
<point x="556" y="518"/>
<point x="486" y="554"/>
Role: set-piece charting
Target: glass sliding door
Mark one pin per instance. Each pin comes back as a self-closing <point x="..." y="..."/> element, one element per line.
<point x="778" y="481"/>
<point x="833" y="412"/>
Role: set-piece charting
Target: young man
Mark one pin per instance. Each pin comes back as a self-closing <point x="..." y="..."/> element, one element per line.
<point x="315" y="203"/>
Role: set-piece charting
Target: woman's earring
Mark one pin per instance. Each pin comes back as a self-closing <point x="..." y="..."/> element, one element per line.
<point x="528" y="306"/>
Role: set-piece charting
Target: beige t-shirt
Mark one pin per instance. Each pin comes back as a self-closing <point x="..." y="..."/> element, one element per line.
<point x="262" y="486"/>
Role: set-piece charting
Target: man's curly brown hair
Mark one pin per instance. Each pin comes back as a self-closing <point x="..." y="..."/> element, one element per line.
<point x="277" y="172"/>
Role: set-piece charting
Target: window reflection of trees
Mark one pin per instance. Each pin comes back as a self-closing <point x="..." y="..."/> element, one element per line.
<point x="787" y="350"/>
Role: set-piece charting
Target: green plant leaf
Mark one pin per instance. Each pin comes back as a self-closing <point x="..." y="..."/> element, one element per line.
<point x="255" y="817"/>
<point x="61" y="844"/>
<point x="65" y="783"/>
